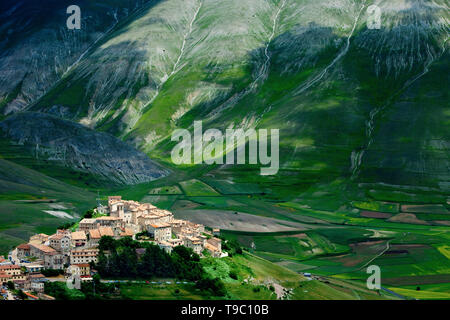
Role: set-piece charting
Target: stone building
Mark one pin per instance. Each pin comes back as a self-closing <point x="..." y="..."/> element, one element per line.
<point x="87" y="224"/>
<point x="13" y="271"/>
<point x="23" y="251"/>
<point x="160" y="231"/>
<point x="60" y="242"/>
<point x="39" y="238"/>
<point x="79" y="239"/>
<point x="194" y="243"/>
<point x="80" y="256"/>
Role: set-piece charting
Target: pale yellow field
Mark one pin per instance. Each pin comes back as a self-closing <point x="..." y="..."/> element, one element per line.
<point x="445" y="250"/>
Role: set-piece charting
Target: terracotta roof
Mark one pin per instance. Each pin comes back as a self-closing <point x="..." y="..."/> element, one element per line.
<point x="84" y="252"/>
<point x="82" y="265"/>
<point x="94" y="234"/>
<point x="37" y="275"/>
<point x="114" y="197"/>
<point x="24" y="246"/>
<point x="214" y="241"/>
<point x="106" y="231"/>
<point x="160" y="212"/>
<point x="108" y="218"/>
<point x="58" y="236"/>
<point x="160" y="225"/>
<point x="43" y="248"/>
<point x="9" y="266"/>
<point x="30" y="295"/>
<point x="127" y="233"/>
<point x="194" y="240"/>
<point x="41" y="235"/>
<point x="88" y="220"/>
<point x="149" y="216"/>
<point x="78" y="235"/>
<point x="211" y="247"/>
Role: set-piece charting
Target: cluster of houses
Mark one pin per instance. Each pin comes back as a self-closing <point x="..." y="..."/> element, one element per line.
<point x="131" y="218"/>
<point x="66" y="249"/>
<point x="32" y="281"/>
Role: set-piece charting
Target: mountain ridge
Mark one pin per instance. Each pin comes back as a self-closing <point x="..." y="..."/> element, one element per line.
<point x="312" y="69"/>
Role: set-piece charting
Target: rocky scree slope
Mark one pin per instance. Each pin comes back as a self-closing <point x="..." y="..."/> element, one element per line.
<point x="73" y="145"/>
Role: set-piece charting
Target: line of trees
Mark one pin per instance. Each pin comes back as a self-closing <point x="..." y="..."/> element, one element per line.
<point x="119" y="258"/>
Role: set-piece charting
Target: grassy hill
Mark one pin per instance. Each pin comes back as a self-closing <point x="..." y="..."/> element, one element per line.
<point x="26" y="195"/>
<point x="256" y="279"/>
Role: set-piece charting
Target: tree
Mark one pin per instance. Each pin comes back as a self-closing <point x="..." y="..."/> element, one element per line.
<point x="214" y="286"/>
<point x="186" y="253"/>
<point x="60" y="291"/>
<point x="21" y="295"/>
<point x="66" y="226"/>
<point x="107" y="243"/>
<point x="10" y="285"/>
<point x="123" y="261"/>
<point x="102" y="264"/>
<point x="88" y="214"/>
<point x="234" y="245"/>
<point x="127" y="242"/>
<point x="187" y="263"/>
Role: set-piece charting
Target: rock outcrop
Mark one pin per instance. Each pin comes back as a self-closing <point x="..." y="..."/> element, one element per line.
<point x="80" y="148"/>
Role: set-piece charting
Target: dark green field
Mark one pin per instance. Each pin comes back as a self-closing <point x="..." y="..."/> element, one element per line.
<point x="337" y="243"/>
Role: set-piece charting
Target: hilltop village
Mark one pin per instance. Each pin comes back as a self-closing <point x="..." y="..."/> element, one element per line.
<point x="76" y="248"/>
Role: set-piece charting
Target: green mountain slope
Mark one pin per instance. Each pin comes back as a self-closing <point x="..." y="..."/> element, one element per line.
<point x="37" y="49"/>
<point x="334" y="88"/>
<point x="31" y="202"/>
